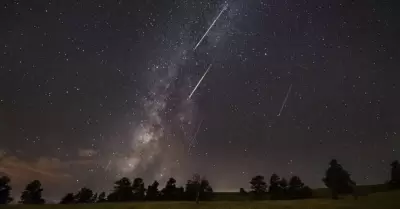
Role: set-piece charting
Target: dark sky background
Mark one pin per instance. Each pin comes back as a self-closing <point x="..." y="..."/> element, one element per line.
<point x="91" y="91"/>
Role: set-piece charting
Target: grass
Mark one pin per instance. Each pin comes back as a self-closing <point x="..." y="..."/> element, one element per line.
<point x="382" y="200"/>
<point x="362" y="190"/>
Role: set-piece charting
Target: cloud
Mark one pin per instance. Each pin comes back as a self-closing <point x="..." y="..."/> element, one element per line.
<point x="47" y="170"/>
<point x="87" y="152"/>
<point x="42" y="169"/>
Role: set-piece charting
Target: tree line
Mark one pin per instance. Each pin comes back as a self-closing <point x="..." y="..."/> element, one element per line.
<point x="336" y="178"/>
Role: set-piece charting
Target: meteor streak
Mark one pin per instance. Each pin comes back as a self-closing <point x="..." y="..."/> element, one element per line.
<point x="197" y="131"/>
<point x="284" y="101"/>
<point x="108" y="165"/>
<point x="194" y="140"/>
<point x="213" y="23"/>
<point x="201" y="79"/>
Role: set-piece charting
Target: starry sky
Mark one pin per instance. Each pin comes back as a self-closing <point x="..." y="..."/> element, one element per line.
<point x="94" y="90"/>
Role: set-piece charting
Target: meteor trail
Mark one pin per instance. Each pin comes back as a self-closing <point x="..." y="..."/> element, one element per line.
<point x="194" y="140"/>
<point x="213" y="23"/>
<point x="284" y="101"/>
<point x="197" y="131"/>
<point x="108" y="165"/>
<point x="201" y="79"/>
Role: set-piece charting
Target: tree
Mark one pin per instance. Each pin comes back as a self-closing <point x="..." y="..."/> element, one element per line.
<point x="152" y="191"/>
<point x="69" y="198"/>
<point x="258" y="186"/>
<point x="206" y="191"/>
<point x="122" y="191"/>
<point x="102" y="197"/>
<point x="94" y="198"/>
<point x="112" y="197"/>
<point x="295" y="182"/>
<point x="297" y="189"/>
<point x="196" y="186"/>
<point x="274" y="181"/>
<point x="85" y="195"/>
<point x="395" y="175"/>
<point x="277" y="187"/>
<point x="170" y="191"/>
<point x="275" y="190"/>
<point x="138" y="189"/>
<point x="32" y="193"/>
<point x="306" y="192"/>
<point x="198" y="189"/>
<point x="5" y="190"/>
<point x="283" y="183"/>
<point x="242" y="191"/>
<point x="338" y="180"/>
<point x="180" y="193"/>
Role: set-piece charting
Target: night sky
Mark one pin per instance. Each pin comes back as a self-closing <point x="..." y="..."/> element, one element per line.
<point x="94" y="90"/>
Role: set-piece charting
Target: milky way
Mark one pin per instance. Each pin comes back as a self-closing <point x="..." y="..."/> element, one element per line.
<point x="160" y="121"/>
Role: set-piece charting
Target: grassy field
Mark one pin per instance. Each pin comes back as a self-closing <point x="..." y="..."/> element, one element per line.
<point x="382" y="200"/>
<point x="317" y="193"/>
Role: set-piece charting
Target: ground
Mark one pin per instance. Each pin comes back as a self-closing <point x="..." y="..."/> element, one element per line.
<point x="382" y="200"/>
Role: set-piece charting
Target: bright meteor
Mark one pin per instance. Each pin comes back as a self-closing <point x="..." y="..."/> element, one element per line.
<point x="213" y="23"/>
<point x="201" y="79"/>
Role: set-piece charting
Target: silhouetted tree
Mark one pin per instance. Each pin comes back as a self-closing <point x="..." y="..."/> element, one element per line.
<point x="180" y="193"/>
<point x="196" y="186"/>
<point x="306" y="192"/>
<point x="275" y="189"/>
<point x="32" y="193"/>
<point x="206" y="191"/>
<point x="122" y="191"/>
<point x="5" y="190"/>
<point x="283" y="183"/>
<point x="113" y="197"/>
<point x="295" y="184"/>
<point x="152" y="191"/>
<point x="170" y="191"/>
<point x="297" y="189"/>
<point x="102" y="197"/>
<point x="395" y="175"/>
<point x="94" y="198"/>
<point x="69" y="198"/>
<point x="139" y="191"/>
<point x="191" y="189"/>
<point x="242" y="191"/>
<point x="198" y="189"/>
<point x="85" y="195"/>
<point x="258" y="186"/>
<point x="274" y="182"/>
<point x="338" y="180"/>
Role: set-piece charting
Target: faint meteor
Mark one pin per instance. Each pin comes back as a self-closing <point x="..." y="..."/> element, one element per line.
<point x="201" y="79"/>
<point x="197" y="131"/>
<point x="108" y="165"/>
<point x="194" y="139"/>
<point x="213" y="23"/>
<point x="286" y="98"/>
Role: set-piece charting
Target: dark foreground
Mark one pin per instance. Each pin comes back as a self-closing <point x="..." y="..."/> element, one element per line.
<point x="383" y="200"/>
